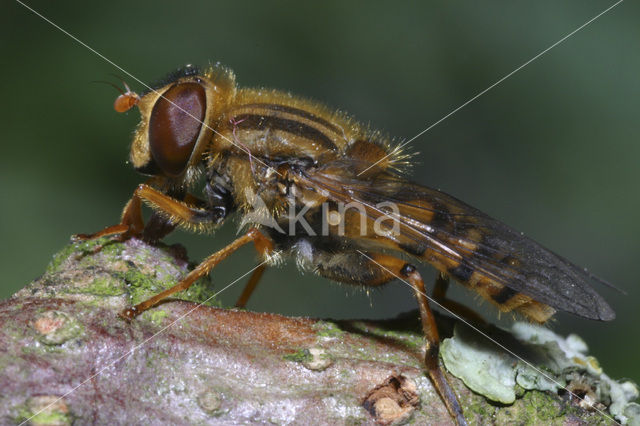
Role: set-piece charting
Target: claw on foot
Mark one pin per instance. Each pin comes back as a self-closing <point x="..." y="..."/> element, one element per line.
<point x="123" y="231"/>
<point x="129" y="314"/>
<point x="80" y="237"/>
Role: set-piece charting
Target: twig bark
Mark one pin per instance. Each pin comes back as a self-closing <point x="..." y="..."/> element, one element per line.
<point x="67" y="358"/>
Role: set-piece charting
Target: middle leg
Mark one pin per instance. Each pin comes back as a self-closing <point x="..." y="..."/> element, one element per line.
<point x="191" y="213"/>
<point x="250" y="287"/>
<point x="265" y="248"/>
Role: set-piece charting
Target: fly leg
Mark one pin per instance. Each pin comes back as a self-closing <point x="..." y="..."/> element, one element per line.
<point x="170" y="212"/>
<point x="375" y="269"/>
<point x="261" y="242"/>
<point x="190" y="212"/>
<point x="251" y="286"/>
<point x="399" y="268"/>
<point x="264" y="246"/>
<point x="131" y="223"/>
<point x="440" y="295"/>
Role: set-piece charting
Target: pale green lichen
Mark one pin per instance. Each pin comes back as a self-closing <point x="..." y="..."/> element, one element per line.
<point x="484" y="370"/>
<point x="142" y="285"/>
<point x="529" y="379"/>
<point x="301" y="355"/>
<point x="59" y="258"/>
<point x="632" y="413"/>
<point x="621" y="395"/>
<point x="557" y="353"/>
<point x="494" y="373"/>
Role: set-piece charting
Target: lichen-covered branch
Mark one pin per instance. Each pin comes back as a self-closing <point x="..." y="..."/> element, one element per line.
<point x="66" y="357"/>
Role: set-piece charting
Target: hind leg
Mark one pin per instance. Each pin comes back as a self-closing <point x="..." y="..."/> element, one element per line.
<point x="439" y="295"/>
<point x="374" y="269"/>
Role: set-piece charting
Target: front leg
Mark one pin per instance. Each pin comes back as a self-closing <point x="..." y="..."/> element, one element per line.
<point x="131" y="223"/>
<point x="191" y="214"/>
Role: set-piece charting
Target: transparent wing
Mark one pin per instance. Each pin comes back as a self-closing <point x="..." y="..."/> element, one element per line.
<point x="454" y="236"/>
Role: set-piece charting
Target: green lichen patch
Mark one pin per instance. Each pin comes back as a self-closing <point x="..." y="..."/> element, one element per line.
<point x="314" y="358"/>
<point x="141" y="286"/>
<point x="533" y="409"/>
<point x="75" y="251"/>
<point x="327" y="329"/>
<point x="59" y="259"/>
<point x="44" y="410"/>
<point x="477" y="411"/>
<point x="92" y="270"/>
<point x="301" y="355"/>
<point x="156" y="316"/>
<point x="541" y="407"/>
<point x="104" y="285"/>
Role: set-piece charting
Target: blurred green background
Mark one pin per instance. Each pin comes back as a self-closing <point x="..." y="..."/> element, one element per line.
<point x="553" y="150"/>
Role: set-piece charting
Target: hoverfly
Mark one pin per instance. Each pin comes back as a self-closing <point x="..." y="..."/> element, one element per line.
<point x="356" y="218"/>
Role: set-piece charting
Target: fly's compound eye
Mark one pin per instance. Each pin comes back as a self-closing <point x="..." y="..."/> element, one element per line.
<point x="174" y="126"/>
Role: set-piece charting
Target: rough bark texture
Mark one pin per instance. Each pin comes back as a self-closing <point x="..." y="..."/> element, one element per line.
<point x="66" y="357"/>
